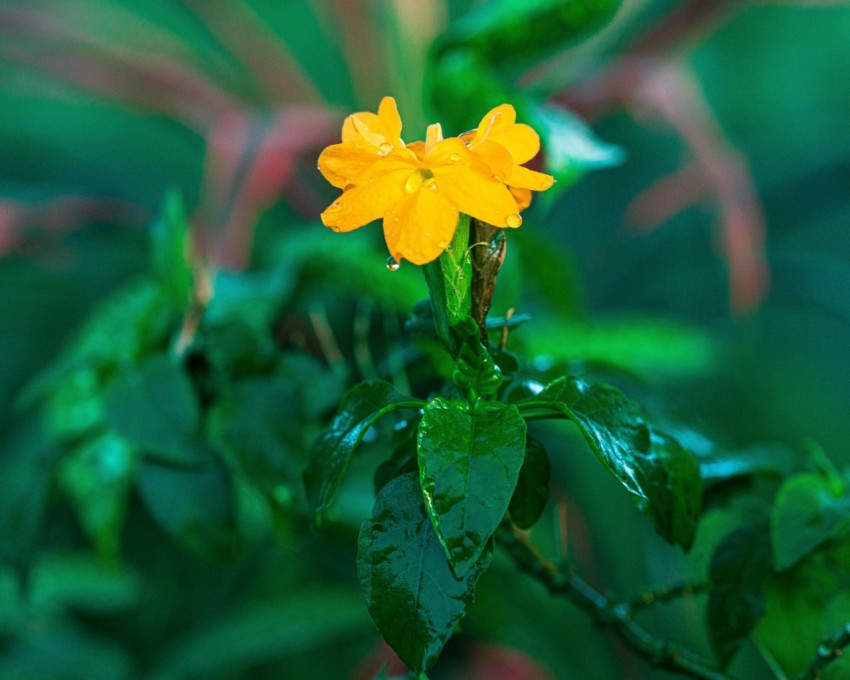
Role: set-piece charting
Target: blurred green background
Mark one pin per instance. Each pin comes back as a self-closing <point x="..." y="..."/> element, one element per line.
<point x="696" y="251"/>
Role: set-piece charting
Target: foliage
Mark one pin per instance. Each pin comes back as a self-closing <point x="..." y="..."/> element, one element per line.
<point x="223" y="430"/>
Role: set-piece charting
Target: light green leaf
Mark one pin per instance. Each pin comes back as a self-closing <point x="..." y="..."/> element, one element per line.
<point x="808" y="511"/>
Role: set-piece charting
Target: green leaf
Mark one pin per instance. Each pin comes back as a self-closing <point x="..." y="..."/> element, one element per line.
<point x="413" y="596"/>
<point x="83" y="582"/>
<point x="195" y="506"/>
<point x="474" y="372"/>
<point x="532" y="489"/>
<point x="736" y="601"/>
<point x="155" y="409"/>
<point x="98" y="476"/>
<point x="650" y="464"/>
<point x="360" y="409"/>
<point x="805" y="605"/>
<point x="571" y="146"/>
<point x="449" y="278"/>
<point x="469" y="463"/>
<point x="171" y="265"/>
<point x="809" y="510"/>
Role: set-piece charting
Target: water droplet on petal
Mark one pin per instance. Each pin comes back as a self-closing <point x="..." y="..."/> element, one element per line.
<point x="513" y="220"/>
<point x="392" y="265"/>
<point x="454" y="158"/>
<point x="396" y="218"/>
<point x="432" y="186"/>
<point x="442" y="245"/>
<point x="384" y="149"/>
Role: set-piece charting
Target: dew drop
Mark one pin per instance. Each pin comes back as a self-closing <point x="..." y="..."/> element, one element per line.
<point x="396" y="218"/>
<point x="432" y="186"/>
<point x="384" y="149"/>
<point x="513" y="220"/>
<point x="442" y="245"/>
<point x="454" y="158"/>
<point x="392" y="265"/>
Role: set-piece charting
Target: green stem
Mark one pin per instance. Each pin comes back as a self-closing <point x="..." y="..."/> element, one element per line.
<point x="831" y="649"/>
<point x="449" y="284"/>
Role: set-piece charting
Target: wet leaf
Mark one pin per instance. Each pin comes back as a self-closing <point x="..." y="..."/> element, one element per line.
<point x="650" y="464"/>
<point x="413" y="596"/>
<point x="532" y="490"/>
<point x="469" y="463"/>
<point x="360" y="409"/>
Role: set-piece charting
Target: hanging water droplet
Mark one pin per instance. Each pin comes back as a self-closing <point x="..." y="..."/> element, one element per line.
<point x="392" y="265"/>
<point x="384" y="149"/>
<point x="454" y="158"/>
<point x="513" y="220"/>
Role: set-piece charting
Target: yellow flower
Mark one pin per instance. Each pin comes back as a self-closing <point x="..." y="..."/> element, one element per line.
<point x="499" y="131"/>
<point x="419" y="189"/>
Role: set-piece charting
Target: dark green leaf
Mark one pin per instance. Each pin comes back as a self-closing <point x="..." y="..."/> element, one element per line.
<point x="510" y="31"/>
<point x="809" y="510"/>
<point x="194" y="505"/>
<point x="362" y="406"/>
<point x="651" y="465"/>
<point x="532" y="489"/>
<point x="469" y="462"/>
<point x="155" y="409"/>
<point x="736" y="601"/>
<point x="412" y="594"/>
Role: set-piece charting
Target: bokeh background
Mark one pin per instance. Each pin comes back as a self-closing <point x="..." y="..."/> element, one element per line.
<point x="696" y="251"/>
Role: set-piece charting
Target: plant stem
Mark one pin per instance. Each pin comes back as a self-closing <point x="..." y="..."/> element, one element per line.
<point x="607" y="613"/>
<point x="828" y="651"/>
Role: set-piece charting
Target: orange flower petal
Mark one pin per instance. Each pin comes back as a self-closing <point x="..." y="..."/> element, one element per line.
<point x="353" y="126"/>
<point x="341" y="164"/>
<point x="418" y="148"/>
<point x="521" y="196"/>
<point x="522" y="141"/>
<point x="496" y="157"/>
<point x="493" y="122"/>
<point x="529" y="179"/>
<point x="475" y="194"/>
<point x="390" y="121"/>
<point x="420" y="227"/>
<point x="365" y="203"/>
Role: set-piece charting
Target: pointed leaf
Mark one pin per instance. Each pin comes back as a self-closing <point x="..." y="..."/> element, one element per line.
<point x="361" y="407"/>
<point x="469" y="463"/>
<point x="736" y="602"/>
<point x="412" y="594"/>
<point x="808" y="511"/>
<point x="651" y="465"/>
<point x="532" y="489"/>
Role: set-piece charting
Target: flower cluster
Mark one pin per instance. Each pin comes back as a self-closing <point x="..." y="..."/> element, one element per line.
<point x="420" y="188"/>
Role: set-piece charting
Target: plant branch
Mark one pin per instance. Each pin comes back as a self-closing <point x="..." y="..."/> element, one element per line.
<point x="610" y="614"/>
<point x="829" y="650"/>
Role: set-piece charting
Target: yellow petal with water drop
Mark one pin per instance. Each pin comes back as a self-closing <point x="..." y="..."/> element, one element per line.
<point x="426" y="225"/>
<point x="366" y="202"/>
<point x="342" y="164"/>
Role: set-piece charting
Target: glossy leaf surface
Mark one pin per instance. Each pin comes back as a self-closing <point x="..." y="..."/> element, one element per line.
<point x="329" y="457"/>
<point x="532" y="489"/>
<point x="469" y="463"/>
<point x="413" y="596"/>
<point x="651" y="465"/>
